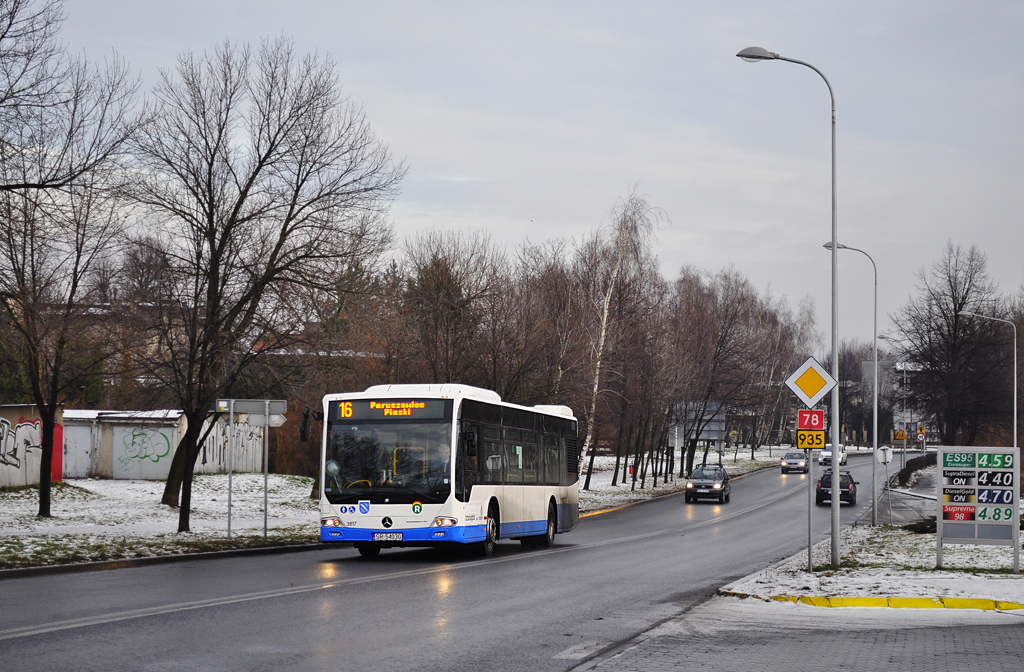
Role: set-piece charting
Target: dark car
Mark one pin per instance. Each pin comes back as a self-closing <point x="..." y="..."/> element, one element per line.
<point x="711" y="482"/>
<point x="847" y="488"/>
<point x="796" y="461"/>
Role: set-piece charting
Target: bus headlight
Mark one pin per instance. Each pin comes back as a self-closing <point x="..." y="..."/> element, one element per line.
<point x="330" y="522"/>
<point x="444" y="521"/>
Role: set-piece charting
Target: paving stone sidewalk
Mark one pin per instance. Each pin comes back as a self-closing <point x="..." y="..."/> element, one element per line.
<point x="993" y="649"/>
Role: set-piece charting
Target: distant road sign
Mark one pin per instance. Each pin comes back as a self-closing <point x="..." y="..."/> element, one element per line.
<point x="884" y="455"/>
<point x="920" y="436"/>
<point x="901" y="435"/>
<point x="809" y="419"/>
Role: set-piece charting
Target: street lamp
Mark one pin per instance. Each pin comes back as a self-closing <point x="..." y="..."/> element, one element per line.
<point x="874" y="422"/>
<point x="753" y="54"/>
<point x="968" y="313"/>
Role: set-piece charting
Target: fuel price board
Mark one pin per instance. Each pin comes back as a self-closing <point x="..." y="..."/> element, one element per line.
<point x="977" y="497"/>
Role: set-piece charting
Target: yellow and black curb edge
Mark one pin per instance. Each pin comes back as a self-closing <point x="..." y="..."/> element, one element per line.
<point x="889" y="602"/>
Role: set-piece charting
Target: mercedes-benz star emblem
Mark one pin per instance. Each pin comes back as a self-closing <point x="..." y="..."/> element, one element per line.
<point x="386" y="522"/>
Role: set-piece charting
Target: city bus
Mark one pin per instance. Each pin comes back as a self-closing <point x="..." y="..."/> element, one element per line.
<point x="425" y="465"/>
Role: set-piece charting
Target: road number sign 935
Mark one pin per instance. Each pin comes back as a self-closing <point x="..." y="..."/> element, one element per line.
<point x="808" y="439"/>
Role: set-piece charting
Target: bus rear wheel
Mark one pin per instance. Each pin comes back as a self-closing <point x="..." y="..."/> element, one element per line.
<point x="368" y="550"/>
<point x="547" y="540"/>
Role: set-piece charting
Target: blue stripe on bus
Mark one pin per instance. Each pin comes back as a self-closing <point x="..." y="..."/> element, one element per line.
<point x="526" y="528"/>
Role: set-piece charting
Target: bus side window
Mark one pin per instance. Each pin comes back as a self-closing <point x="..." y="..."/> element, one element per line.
<point x="550" y="460"/>
<point x="513" y="456"/>
<point x="530" y="466"/>
<point x="490" y="456"/>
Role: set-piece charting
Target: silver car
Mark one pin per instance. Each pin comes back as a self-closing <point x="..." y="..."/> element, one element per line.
<point x="795" y="461"/>
<point x="709" y="482"/>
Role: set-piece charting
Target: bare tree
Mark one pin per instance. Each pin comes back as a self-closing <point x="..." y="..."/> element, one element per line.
<point x="958" y="386"/>
<point x="257" y="175"/>
<point x="63" y="127"/>
<point x="60" y="117"/>
<point x="451" y="278"/>
<point x="50" y="244"/>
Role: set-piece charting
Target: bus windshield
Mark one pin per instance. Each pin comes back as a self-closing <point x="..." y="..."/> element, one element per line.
<point x="388" y="462"/>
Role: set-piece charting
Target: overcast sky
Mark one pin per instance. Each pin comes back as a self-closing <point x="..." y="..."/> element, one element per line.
<point x="532" y="119"/>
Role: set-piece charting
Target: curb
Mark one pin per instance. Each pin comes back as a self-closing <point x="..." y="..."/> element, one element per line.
<point x="890" y="602"/>
<point x="100" y="565"/>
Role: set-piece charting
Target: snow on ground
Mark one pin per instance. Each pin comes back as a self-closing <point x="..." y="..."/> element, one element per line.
<point x="129" y="507"/>
<point x="891" y="562"/>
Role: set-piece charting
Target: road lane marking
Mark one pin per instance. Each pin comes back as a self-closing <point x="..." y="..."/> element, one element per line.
<point x="581" y="650"/>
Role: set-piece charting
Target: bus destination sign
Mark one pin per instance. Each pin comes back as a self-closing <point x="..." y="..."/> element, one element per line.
<point x="390" y="409"/>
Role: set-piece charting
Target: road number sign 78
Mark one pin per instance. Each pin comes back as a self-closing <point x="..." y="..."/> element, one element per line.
<point x="807" y="419"/>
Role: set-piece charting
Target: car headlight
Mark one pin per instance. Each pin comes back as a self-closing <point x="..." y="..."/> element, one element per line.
<point x="784" y="463"/>
<point x="689" y="484"/>
<point x="718" y="486"/>
<point x="803" y="464"/>
<point x="444" y="521"/>
<point x="330" y="522"/>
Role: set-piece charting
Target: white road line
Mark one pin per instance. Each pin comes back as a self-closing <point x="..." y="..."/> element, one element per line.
<point x="581" y="650"/>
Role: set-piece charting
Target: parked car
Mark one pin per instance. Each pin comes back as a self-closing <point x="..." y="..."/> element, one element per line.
<point x="825" y="456"/>
<point x="847" y="488"/>
<point x="710" y="482"/>
<point x="795" y="461"/>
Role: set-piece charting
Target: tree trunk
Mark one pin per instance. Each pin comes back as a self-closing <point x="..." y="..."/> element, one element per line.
<point x="47" y="420"/>
<point x="172" y="488"/>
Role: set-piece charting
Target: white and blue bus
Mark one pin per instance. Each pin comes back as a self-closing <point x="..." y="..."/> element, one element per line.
<point x="421" y="465"/>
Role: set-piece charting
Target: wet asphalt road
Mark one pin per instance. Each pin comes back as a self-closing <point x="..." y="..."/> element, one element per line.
<point x="617" y="575"/>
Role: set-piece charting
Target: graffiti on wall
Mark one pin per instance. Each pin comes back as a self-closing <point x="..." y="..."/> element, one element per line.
<point x="15" y="442"/>
<point x="139" y="445"/>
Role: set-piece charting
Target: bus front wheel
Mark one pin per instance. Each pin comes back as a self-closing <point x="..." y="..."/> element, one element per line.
<point x="368" y="550"/>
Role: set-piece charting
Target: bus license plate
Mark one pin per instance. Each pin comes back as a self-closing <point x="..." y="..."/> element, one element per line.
<point x="387" y="536"/>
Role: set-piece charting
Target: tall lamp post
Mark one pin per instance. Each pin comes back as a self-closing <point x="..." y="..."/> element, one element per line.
<point x="874" y="416"/>
<point x="968" y="313"/>
<point x="752" y="55"/>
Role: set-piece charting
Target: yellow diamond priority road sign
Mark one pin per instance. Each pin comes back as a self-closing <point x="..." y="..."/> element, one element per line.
<point x="811" y="382"/>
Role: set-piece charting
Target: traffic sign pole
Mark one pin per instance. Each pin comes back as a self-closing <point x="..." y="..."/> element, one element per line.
<point x="811" y="382"/>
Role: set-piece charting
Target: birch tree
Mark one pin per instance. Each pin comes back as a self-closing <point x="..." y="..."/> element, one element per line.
<point x="614" y="252"/>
